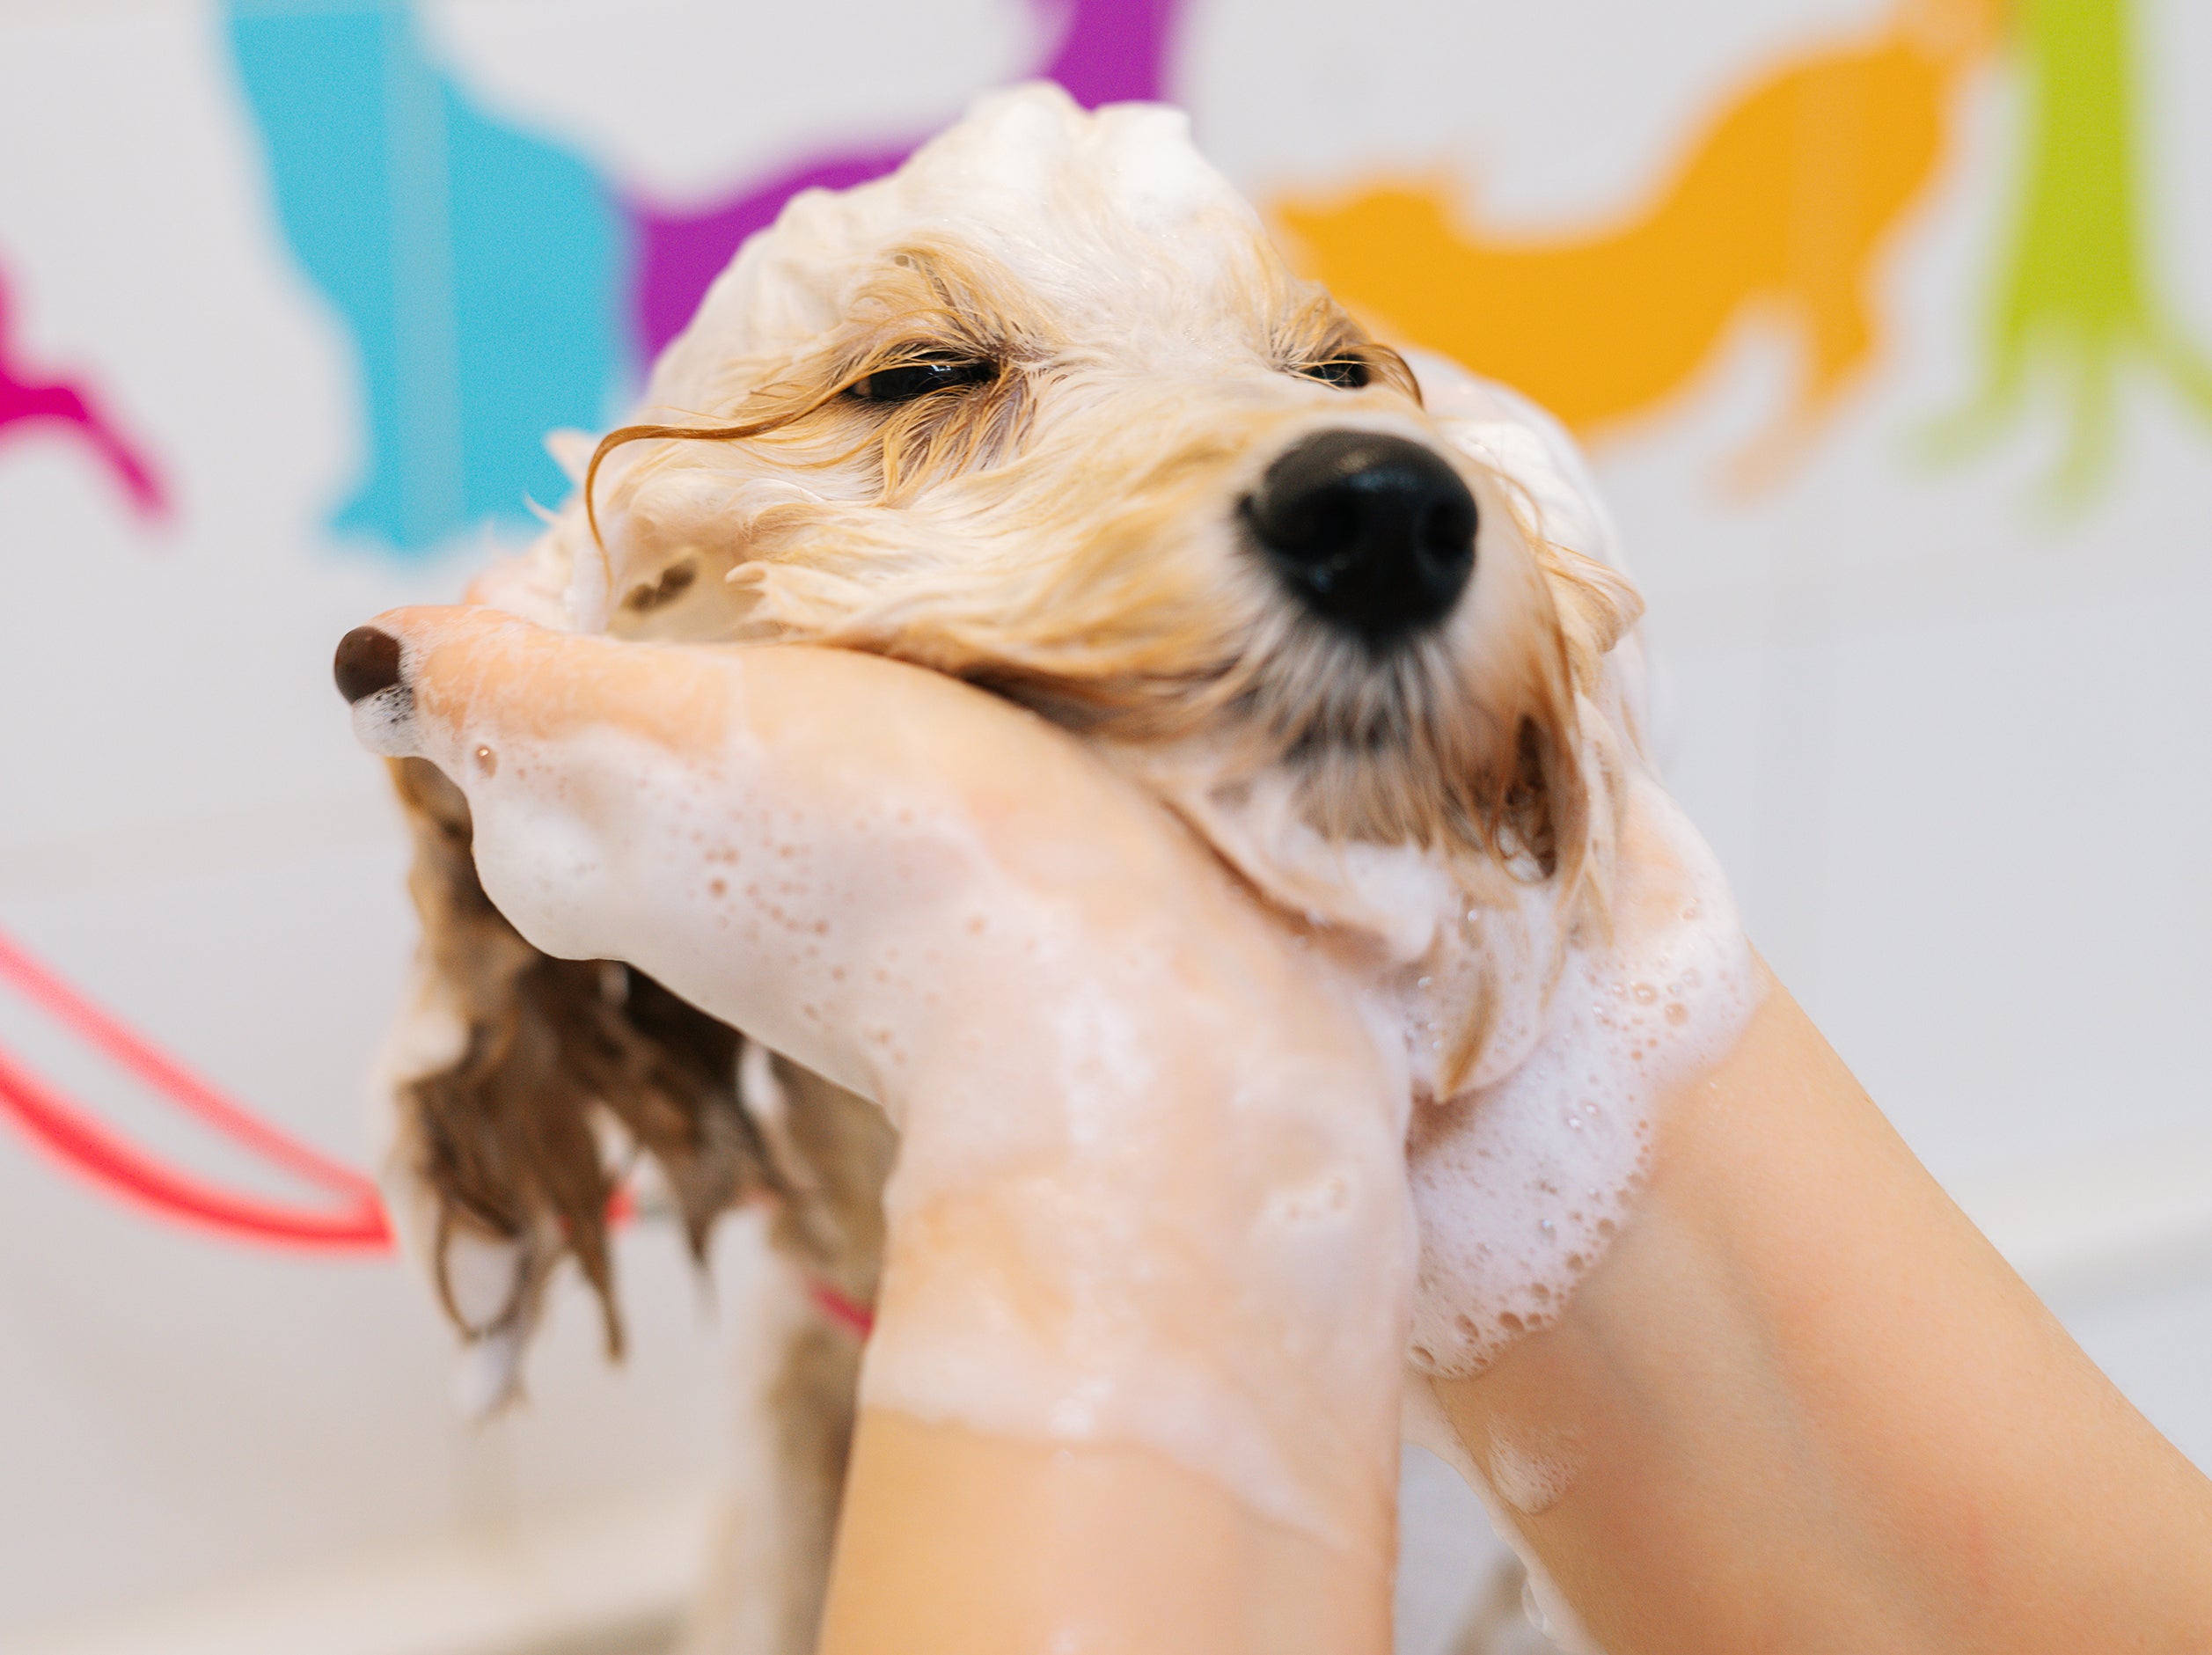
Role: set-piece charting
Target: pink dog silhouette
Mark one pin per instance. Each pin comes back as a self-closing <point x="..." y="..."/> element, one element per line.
<point x="24" y="402"/>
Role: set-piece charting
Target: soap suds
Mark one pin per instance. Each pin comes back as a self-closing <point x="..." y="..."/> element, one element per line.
<point x="1522" y="1180"/>
<point x="1532" y="1469"/>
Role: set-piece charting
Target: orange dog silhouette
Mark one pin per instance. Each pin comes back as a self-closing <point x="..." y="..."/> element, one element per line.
<point x="1782" y="206"/>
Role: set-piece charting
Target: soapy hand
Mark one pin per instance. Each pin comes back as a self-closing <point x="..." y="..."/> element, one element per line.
<point x="1151" y="1187"/>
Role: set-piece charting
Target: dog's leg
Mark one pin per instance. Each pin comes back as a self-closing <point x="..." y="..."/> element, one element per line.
<point x="768" y="1570"/>
<point x="768" y="1558"/>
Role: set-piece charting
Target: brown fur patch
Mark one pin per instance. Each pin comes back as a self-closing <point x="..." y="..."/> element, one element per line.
<point x="508" y="1134"/>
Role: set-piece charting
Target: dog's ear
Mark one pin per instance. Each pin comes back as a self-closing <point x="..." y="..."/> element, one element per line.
<point x="1596" y="606"/>
<point x="501" y="1150"/>
<point x="1569" y="746"/>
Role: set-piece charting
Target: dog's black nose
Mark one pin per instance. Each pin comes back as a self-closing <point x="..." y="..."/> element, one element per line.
<point x="367" y="660"/>
<point x="1376" y="532"/>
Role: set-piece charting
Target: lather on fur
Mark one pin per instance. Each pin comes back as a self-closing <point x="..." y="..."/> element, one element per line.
<point x="1004" y="415"/>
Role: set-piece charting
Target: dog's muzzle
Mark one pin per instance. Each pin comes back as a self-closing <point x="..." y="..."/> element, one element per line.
<point x="1374" y="533"/>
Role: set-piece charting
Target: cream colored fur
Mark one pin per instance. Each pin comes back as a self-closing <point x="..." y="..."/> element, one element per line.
<point x="1067" y="535"/>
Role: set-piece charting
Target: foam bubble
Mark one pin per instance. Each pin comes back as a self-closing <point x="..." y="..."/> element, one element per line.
<point x="1522" y="1178"/>
<point x="1531" y="1470"/>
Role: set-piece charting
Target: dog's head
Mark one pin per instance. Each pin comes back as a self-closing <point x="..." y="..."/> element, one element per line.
<point x="1046" y="411"/>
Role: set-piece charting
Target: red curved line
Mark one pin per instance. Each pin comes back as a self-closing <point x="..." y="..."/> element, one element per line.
<point x="60" y="1126"/>
<point x="173" y="1080"/>
<point x="856" y="1317"/>
<point x="70" y="1132"/>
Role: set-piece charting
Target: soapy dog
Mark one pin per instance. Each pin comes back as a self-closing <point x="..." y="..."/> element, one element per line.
<point x="1046" y="413"/>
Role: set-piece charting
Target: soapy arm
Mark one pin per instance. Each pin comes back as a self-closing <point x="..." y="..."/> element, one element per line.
<point x="1802" y="1405"/>
<point x="1132" y="1379"/>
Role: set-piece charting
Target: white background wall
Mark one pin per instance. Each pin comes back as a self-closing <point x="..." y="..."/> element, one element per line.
<point x="1949" y="741"/>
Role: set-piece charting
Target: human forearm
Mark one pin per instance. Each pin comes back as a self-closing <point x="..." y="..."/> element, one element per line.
<point x="1135" y="1383"/>
<point x="1802" y="1405"/>
<point x="956" y="1541"/>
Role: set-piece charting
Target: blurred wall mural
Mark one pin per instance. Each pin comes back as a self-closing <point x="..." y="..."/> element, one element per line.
<point x="1885" y="322"/>
<point x="497" y="285"/>
<point x="1786" y="198"/>
<point x="30" y="401"/>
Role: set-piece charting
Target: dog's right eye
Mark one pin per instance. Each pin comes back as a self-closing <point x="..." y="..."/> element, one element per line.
<point x="1346" y="372"/>
<point x="910" y="381"/>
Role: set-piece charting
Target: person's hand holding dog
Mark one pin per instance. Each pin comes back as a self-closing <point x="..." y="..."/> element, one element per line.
<point x="1143" y="1315"/>
<point x="1154" y="1157"/>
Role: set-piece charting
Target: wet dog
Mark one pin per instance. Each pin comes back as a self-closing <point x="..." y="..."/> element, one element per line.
<point x="1044" y="412"/>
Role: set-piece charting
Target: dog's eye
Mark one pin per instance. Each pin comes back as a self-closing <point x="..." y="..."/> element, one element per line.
<point x="1347" y="373"/>
<point x="911" y="380"/>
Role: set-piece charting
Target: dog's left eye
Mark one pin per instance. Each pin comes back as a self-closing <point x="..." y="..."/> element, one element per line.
<point x="1347" y="373"/>
<point x="910" y="381"/>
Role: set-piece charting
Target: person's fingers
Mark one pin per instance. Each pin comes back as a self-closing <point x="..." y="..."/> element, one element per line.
<point x="814" y="845"/>
<point x="693" y="810"/>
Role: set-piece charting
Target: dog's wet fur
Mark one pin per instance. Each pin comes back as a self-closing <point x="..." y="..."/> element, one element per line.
<point x="1003" y="415"/>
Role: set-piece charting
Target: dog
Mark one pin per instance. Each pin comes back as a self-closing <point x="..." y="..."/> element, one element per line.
<point x="1785" y="205"/>
<point x="1046" y="412"/>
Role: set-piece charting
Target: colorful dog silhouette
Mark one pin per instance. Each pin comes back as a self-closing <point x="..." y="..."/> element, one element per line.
<point x="495" y="285"/>
<point x="26" y="402"/>
<point x="2073" y="301"/>
<point x="1783" y="206"/>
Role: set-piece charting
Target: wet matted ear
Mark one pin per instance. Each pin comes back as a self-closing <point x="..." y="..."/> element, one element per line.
<point x="1596" y="605"/>
<point x="503" y="1131"/>
<point x="1568" y="778"/>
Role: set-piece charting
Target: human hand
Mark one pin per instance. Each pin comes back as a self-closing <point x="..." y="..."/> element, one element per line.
<point x="1150" y="1189"/>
